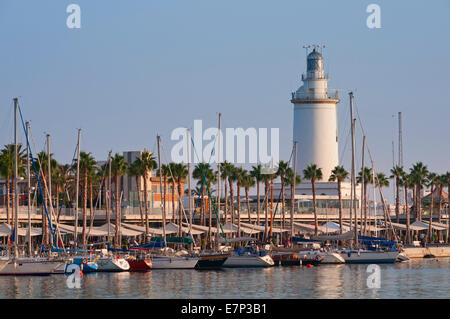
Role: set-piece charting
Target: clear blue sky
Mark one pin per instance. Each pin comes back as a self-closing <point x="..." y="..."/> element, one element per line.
<point x="138" y="68"/>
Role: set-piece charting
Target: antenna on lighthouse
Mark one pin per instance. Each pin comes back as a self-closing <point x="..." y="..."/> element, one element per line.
<point x="306" y="47"/>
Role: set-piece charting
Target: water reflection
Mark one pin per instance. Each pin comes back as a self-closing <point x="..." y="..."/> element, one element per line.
<point x="412" y="279"/>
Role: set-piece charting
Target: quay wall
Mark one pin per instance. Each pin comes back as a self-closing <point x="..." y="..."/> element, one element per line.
<point x="420" y="252"/>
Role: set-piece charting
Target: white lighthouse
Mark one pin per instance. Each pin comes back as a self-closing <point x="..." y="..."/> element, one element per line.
<point x="315" y="119"/>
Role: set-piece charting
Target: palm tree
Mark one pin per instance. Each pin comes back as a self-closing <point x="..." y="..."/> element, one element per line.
<point x="248" y="182"/>
<point x="148" y="163"/>
<point x="256" y="173"/>
<point x="382" y="181"/>
<point x="226" y="169"/>
<point x="397" y="172"/>
<point x="432" y="180"/>
<point x="118" y="168"/>
<point x="267" y="177"/>
<point x="313" y="173"/>
<point x="290" y="182"/>
<point x="447" y="180"/>
<point x="281" y="171"/>
<point x="364" y="177"/>
<point x="205" y="175"/>
<point x="239" y="176"/>
<point x="43" y="163"/>
<point x="406" y="181"/>
<point x="87" y="167"/>
<point x="136" y="169"/>
<point x="180" y="173"/>
<point x="339" y="174"/>
<point x="419" y="174"/>
<point x="441" y="183"/>
<point x="7" y="156"/>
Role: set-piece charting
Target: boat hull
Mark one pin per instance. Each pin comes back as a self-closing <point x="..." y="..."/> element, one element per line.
<point x="248" y="261"/>
<point x="140" y="265"/>
<point x="211" y="261"/>
<point x="30" y="267"/>
<point x="112" y="265"/>
<point x="174" y="262"/>
<point x="369" y="257"/>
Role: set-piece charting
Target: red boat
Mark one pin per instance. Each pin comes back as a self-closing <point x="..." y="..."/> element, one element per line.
<point x="139" y="264"/>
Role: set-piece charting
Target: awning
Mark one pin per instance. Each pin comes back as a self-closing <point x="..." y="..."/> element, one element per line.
<point x="262" y="228"/>
<point x="308" y="228"/>
<point x="5" y="230"/>
<point x="344" y="236"/>
<point x="424" y="225"/>
<point x="411" y="227"/>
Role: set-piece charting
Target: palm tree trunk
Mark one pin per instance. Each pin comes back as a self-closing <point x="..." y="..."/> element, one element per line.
<point x="180" y="216"/>
<point x="91" y="207"/>
<point x="231" y="200"/>
<point x="430" y="231"/>
<point x="226" y="199"/>
<point x="365" y="208"/>
<point x="138" y="187"/>
<point x="117" y="219"/>
<point x="173" y="201"/>
<point x="266" y="217"/>
<point x="316" y="228"/>
<point x="258" y="206"/>
<point x="283" y="200"/>
<point x="248" y="204"/>
<point x="407" y="213"/>
<point x="146" y="205"/>
<point x="239" y="208"/>
<point x="84" y="208"/>
<point x="8" y="198"/>
<point x="340" y="206"/>
<point x="397" y="199"/>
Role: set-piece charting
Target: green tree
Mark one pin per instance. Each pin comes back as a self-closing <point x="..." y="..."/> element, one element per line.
<point x="313" y="173"/>
<point x="281" y="171"/>
<point x="119" y="168"/>
<point x="257" y="175"/>
<point x="397" y="172"/>
<point x="339" y="174"/>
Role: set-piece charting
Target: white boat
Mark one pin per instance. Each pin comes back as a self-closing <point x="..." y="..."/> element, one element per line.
<point x="329" y="257"/>
<point x="3" y="264"/>
<point x="369" y="256"/>
<point x="402" y="257"/>
<point x="30" y="266"/>
<point x="247" y="257"/>
<point x="173" y="262"/>
<point x="110" y="264"/>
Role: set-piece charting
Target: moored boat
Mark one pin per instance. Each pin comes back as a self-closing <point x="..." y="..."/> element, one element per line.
<point x="139" y="264"/>
<point x="211" y="261"/>
<point x="249" y="257"/>
<point x="112" y="264"/>
<point x="173" y="262"/>
<point x="369" y="256"/>
<point x="30" y="267"/>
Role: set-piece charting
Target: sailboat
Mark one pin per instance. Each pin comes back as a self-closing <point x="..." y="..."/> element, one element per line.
<point x="363" y="256"/>
<point x="24" y="265"/>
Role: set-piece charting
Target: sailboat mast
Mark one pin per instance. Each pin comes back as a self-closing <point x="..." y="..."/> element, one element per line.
<point x="219" y="136"/>
<point x="77" y="188"/>
<point x="50" y="204"/>
<point x="353" y="177"/>
<point x="16" y="198"/>
<point x="293" y="182"/>
<point x="158" y="138"/>
<point x="108" y="197"/>
<point x="30" y="248"/>
<point x="363" y="198"/>
<point x="188" y="141"/>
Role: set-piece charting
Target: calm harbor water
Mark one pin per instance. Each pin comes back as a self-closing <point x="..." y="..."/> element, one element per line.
<point x="421" y="278"/>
